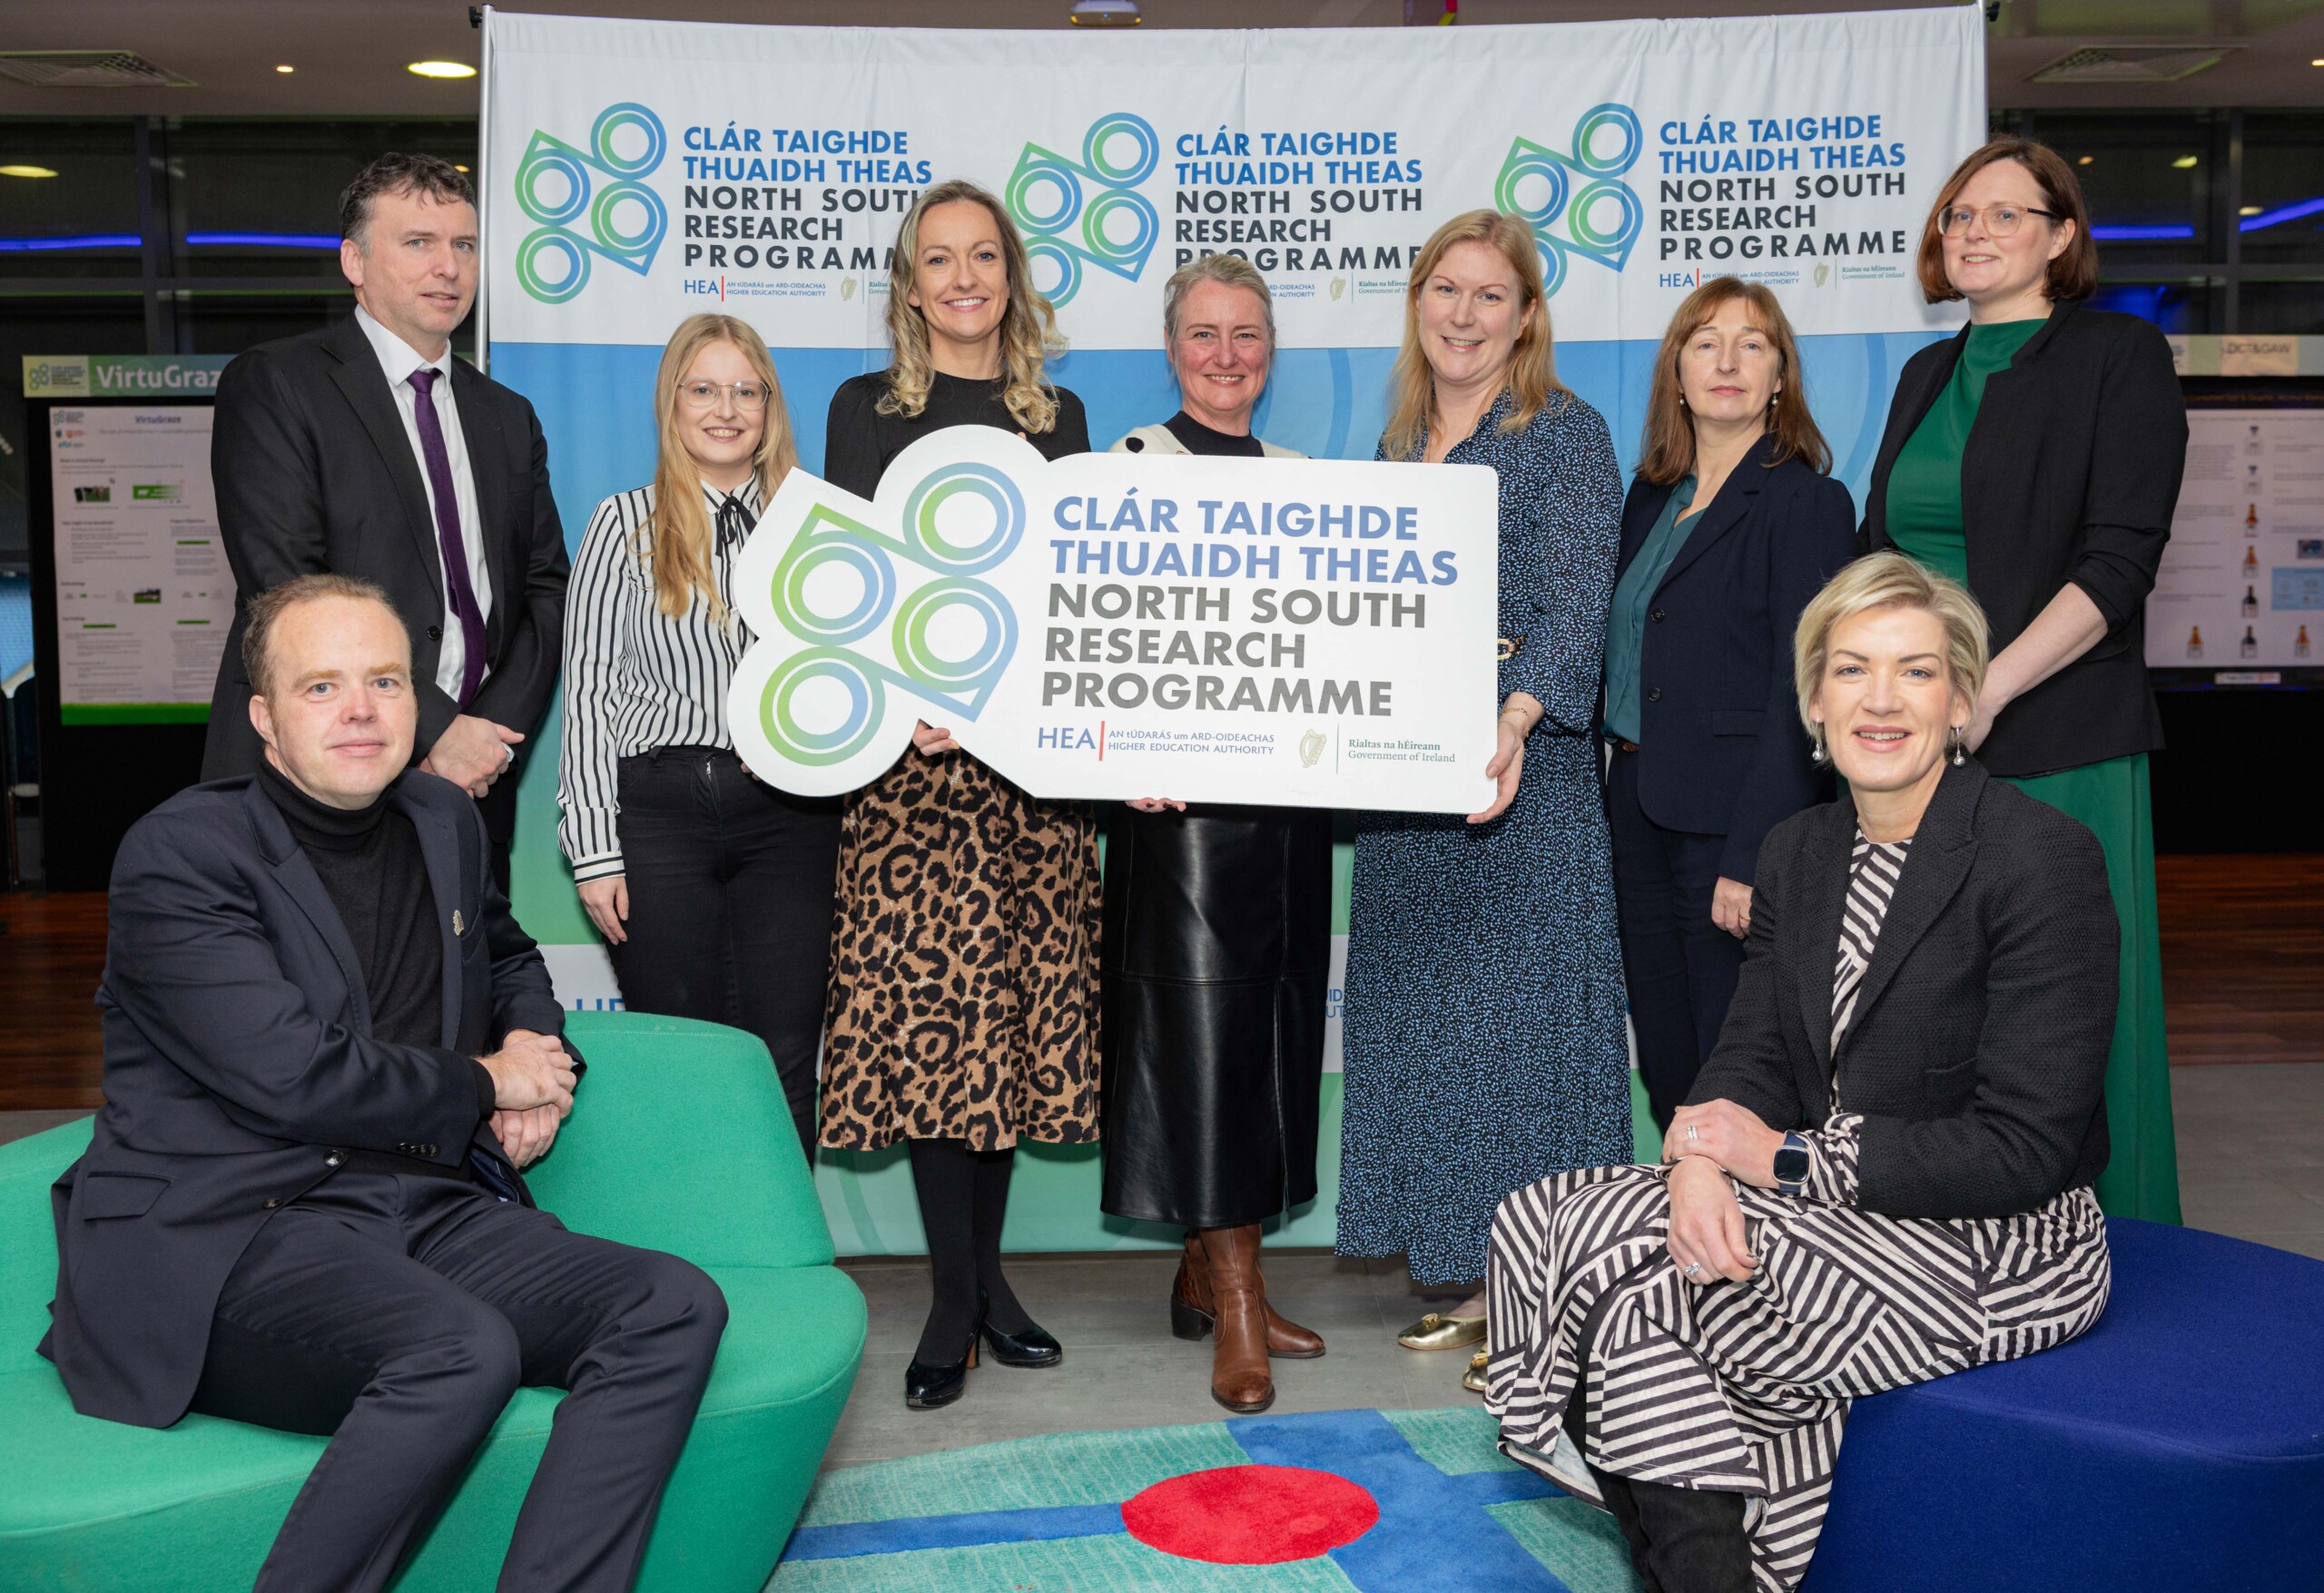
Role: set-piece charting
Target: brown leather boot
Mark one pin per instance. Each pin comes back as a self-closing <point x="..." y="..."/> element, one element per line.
<point x="1190" y="1310"/>
<point x="1238" y="1366"/>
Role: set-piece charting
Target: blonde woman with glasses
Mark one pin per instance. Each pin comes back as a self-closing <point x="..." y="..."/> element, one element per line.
<point x="963" y="1012"/>
<point x="712" y="889"/>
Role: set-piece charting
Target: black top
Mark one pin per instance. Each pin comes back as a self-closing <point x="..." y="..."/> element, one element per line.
<point x="1721" y="751"/>
<point x="1976" y="1049"/>
<point x="2071" y="473"/>
<point x="371" y="867"/>
<point x="1198" y="438"/>
<point x="859" y="441"/>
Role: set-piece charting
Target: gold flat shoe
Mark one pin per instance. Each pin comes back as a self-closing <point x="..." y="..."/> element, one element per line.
<point x="1474" y="1380"/>
<point x="1438" y="1331"/>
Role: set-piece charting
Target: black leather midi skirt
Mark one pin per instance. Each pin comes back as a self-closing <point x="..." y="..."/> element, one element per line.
<point x="1216" y="960"/>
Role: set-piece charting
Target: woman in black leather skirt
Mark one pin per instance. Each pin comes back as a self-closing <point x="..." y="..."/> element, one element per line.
<point x="1216" y="950"/>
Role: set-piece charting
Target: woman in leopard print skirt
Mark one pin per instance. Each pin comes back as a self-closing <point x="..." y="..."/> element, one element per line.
<point x="963" y="1008"/>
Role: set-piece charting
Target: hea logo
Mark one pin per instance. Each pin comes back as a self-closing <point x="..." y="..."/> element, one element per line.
<point x="557" y="186"/>
<point x="867" y="558"/>
<point x="1066" y="227"/>
<point x="1582" y="190"/>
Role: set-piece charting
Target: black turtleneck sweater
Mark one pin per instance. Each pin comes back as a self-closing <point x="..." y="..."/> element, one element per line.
<point x="374" y="873"/>
<point x="1198" y="438"/>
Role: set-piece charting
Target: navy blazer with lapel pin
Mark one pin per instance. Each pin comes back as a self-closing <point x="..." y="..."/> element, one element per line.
<point x="240" y="1057"/>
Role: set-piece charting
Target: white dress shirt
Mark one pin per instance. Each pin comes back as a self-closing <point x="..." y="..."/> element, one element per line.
<point x="400" y="359"/>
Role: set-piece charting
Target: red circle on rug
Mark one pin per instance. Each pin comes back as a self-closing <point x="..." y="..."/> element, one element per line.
<point x="1250" y="1515"/>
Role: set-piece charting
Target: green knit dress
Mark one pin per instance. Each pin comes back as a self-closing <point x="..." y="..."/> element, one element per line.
<point x="2112" y="797"/>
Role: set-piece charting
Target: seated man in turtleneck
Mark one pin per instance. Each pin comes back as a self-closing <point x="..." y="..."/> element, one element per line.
<point x="328" y="1049"/>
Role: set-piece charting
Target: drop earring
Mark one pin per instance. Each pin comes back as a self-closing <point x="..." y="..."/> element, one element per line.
<point x="1816" y="754"/>
<point x="1960" y="754"/>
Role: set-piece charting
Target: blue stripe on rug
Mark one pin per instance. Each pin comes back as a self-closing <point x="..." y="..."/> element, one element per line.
<point x="967" y="1530"/>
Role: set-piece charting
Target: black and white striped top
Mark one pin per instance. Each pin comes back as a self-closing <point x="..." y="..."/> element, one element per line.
<point x="634" y="678"/>
<point x="1872" y="870"/>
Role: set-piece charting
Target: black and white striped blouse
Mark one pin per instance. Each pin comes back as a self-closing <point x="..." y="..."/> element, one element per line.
<point x="634" y="678"/>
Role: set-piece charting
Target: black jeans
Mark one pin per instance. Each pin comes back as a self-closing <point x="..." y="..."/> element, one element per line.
<point x="1681" y="967"/>
<point x="731" y="900"/>
<point x="397" y="1314"/>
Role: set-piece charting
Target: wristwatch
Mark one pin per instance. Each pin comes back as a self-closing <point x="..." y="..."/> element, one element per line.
<point x="1791" y="1165"/>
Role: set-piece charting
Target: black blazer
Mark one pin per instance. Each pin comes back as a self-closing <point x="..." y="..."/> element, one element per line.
<point x="2071" y="473"/>
<point x="239" y="1055"/>
<point x="1721" y="751"/>
<point x="1977" y="1053"/>
<point x="314" y="472"/>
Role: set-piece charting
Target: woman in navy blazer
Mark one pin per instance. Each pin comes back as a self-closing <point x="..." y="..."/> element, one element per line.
<point x="1730" y="527"/>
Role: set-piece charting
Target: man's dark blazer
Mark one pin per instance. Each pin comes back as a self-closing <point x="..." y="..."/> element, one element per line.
<point x="1721" y="751"/>
<point x="240" y="1058"/>
<point x="1977" y="1051"/>
<point x="314" y="472"/>
<point x="2071" y="473"/>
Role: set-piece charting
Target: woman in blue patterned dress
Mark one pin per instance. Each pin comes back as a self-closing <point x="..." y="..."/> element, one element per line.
<point x="1483" y="1035"/>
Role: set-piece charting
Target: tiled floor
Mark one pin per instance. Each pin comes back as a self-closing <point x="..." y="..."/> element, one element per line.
<point x="2251" y="1164"/>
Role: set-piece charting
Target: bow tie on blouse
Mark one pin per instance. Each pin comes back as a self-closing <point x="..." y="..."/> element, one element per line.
<point x="734" y="521"/>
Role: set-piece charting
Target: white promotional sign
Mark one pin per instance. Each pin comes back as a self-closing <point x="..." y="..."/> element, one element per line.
<point x="640" y="171"/>
<point x="1301" y="632"/>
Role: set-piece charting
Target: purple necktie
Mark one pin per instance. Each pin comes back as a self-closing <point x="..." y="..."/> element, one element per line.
<point x="448" y="532"/>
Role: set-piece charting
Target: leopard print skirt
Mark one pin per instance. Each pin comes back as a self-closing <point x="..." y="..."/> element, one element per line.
<point x="964" y="975"/>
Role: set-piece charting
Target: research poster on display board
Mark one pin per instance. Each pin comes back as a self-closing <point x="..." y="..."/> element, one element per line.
<point x="636" y="172"/>
<point x="143" y="595"/>
<point x="2241" y="585"/>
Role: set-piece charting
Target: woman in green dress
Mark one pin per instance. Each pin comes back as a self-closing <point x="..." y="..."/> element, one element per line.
<point x="2035" y="458"/>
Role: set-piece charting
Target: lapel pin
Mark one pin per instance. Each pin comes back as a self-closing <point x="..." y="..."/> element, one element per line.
<point x="456" y="923"/>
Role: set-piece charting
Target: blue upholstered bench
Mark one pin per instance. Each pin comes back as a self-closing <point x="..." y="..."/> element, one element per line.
<point x="2177" y="1445"/>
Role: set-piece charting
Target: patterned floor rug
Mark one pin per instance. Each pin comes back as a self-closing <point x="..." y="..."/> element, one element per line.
<point x="1376" y="1502"/>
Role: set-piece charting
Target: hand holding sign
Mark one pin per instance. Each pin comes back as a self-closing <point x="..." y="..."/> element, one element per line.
<point x="1309" y="632"/>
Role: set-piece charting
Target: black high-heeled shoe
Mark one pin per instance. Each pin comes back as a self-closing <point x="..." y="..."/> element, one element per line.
<point x="927" y="1386"/>
<point x="1033" y="1347"/>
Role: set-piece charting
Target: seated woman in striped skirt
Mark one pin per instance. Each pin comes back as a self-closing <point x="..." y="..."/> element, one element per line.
<point x="1883" y="1173"/>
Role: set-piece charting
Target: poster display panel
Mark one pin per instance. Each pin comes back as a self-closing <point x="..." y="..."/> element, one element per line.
<point x="143" y="596"/>
<point x="2241" y="584"/>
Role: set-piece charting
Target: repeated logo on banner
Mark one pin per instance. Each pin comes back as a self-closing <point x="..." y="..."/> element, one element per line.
<point x="649" y="169"/>
<point x="602" y="189"/>
<point x="1109" y="224"/>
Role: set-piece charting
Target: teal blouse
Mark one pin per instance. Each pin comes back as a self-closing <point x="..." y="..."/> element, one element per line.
<point x="1924" y="513"/>
<point x="1626" y="616"/>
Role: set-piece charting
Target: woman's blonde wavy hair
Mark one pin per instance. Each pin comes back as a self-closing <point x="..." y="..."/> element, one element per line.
<point x="1532" y="379"/>
<point x="676" y="540"/>
<point x="1887" y="579"/>
<point x="1028" y="334"/>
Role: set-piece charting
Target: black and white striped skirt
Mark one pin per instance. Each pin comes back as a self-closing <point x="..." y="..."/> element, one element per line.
<point x="1744" y="1388"/>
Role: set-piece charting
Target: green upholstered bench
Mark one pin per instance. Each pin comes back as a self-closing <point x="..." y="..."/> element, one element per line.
<point x="680" y="1142"/>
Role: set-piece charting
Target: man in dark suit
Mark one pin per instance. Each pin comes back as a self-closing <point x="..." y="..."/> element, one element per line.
<point x="367" y="451"/>
<point x="328" y="1049"/>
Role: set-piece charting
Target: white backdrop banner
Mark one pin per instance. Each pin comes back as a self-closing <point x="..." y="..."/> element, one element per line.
<point x="639" y="172"/>
<point x="1309" y="632"/>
